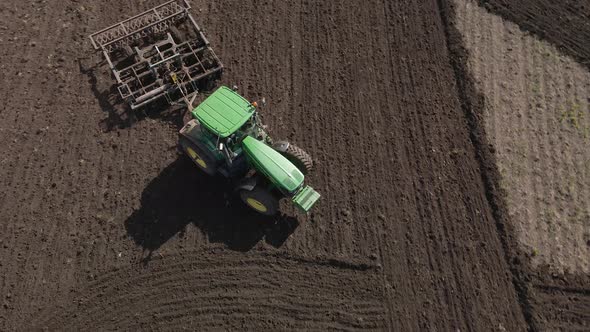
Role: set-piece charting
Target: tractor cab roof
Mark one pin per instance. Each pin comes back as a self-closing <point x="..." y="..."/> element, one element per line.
<point x="224" y="112"/>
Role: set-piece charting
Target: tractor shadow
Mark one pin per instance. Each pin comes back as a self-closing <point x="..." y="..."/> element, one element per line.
<point x="181" y="195"/>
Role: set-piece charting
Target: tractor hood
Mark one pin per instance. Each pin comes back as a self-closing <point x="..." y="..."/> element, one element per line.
<point x="273" y="165"/>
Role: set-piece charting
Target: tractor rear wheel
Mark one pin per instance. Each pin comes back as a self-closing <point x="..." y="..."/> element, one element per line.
<point x="301" y="159"/>
<point x="199" y="156"/>
<point x="260" y="200"/>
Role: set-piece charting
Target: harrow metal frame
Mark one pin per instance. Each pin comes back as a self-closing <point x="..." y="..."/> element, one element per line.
<point x="168" y="68"/>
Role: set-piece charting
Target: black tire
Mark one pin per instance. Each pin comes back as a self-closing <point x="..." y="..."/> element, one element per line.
<point x="260" y="200"/>
<point x="301" y="159"/>
<point x="128" y="51"/>
<point x="199" y="156"/>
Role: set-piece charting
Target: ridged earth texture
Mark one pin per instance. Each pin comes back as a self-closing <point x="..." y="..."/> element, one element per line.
<point x="103" y="225"/>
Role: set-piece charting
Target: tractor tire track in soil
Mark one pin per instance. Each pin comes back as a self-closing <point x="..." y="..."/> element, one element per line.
<point x="97" y="204"/>
<point x="257" y="291"/>
<point x="561" y="303"/>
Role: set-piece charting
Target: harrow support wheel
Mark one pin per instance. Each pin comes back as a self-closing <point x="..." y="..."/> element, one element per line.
<point x="127" y="50"/>
<point x="177" y="35"/>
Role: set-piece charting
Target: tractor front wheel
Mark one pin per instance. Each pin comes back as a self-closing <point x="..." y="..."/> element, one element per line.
<point x="199" y="156"/>
<point x="260" y="200"/>
<point x="299" y="158"/>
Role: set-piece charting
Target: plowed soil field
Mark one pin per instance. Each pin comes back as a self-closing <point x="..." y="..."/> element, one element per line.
<point x="104" y="226"/>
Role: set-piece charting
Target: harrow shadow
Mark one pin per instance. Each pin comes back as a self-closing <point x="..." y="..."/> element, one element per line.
<point x="119" y="114"/>
<point x="181" y="195"/>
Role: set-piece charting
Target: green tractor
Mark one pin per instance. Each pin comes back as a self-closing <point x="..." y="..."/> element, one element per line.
<point x="225" y="136"/>
<point x="162" y="53"/>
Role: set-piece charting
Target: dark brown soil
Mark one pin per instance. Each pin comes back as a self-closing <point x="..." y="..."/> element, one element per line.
<point x="564" y="23"/>
<point x="105" y="226"/>
<point x="560" y="302"/>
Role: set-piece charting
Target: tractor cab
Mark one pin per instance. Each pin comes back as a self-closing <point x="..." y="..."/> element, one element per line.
<point x="226" y="118"/>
